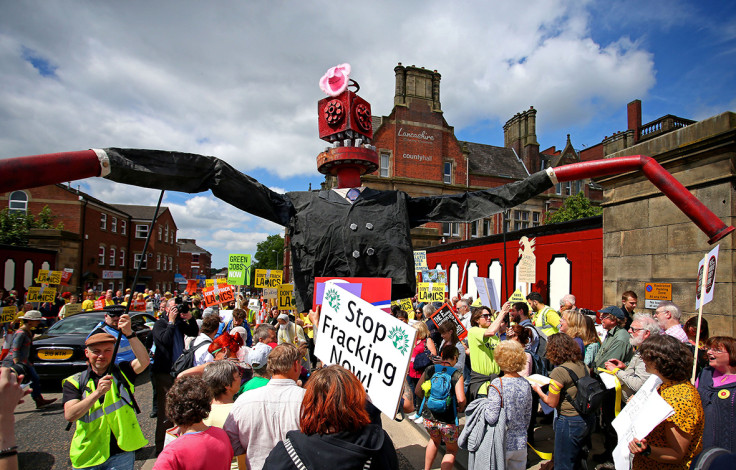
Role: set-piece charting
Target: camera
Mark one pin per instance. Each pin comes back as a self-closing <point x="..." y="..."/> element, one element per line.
<point x="182" y="305"/>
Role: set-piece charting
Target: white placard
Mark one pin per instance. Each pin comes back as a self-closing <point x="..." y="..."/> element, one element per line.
<point x="642" y="413"/>
<point x="707" y="269"/>
<point x="369" y="342"/>
<point x="608" y="379"/>
<point x="488" y="292"/>
<point x="270" y="292"/>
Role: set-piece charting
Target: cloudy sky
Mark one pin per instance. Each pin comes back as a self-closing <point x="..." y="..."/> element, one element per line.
<point x="238" y="79"/>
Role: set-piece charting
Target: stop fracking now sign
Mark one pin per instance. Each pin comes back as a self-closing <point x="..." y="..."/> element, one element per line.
<point x="367" y="341"/>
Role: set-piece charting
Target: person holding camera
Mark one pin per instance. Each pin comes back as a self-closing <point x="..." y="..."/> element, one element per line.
<point x="110" y="326"/>
<point x="168" y="339"/>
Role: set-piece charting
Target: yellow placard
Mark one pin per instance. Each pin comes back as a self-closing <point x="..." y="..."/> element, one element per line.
<point x="221" y="281"/>
<point x="41" y="294"/>
<point x="657" y="291"/>
<point x="286" y="297"/>
<point x="431" y="292"/>
<point x="268" y="278"/>
<point x="73" y="309"/>
<point x="9" y="315"/>
<point x="49" y="277"/>
<point x="420" y="260"/>
<point x="405" y="305"/>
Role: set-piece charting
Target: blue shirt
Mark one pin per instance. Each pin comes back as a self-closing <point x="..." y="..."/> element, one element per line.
<point x="125" y="351"/>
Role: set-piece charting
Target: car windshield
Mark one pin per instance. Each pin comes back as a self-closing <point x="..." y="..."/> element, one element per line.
<point x="75" y="325"/>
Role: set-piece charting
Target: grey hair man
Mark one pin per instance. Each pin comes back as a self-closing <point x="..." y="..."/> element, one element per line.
<point x="567" y="302"/>
<point x="668" y="315"/>
<point x="264" y="333"/>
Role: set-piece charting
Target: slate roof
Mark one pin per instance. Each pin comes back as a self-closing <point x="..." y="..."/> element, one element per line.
<point x="494" y="161"/>
<point x="140" y="212"/>
<point x="187" y="245"/>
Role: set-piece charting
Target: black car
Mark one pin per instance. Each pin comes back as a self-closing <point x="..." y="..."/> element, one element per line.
<point x="59" y="352"/>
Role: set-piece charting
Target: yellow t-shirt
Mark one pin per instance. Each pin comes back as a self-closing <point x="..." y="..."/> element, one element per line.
<point x="307" y="330"/>
<point x="88" y="305"/>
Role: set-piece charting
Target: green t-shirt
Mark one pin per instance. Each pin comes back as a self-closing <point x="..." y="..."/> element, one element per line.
<point x="481" y="352"/>
<point x="255" y="382"/>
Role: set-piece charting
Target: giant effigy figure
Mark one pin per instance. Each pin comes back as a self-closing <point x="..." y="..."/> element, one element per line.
<point x="348" y="231"/>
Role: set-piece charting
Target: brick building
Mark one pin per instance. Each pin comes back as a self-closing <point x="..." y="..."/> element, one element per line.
<point x="420" y="155"/>
<point x="101" y="242"/>
<point x="193" y="260"/>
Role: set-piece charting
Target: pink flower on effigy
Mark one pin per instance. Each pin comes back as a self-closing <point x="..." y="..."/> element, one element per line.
<point x="335" y="81"/>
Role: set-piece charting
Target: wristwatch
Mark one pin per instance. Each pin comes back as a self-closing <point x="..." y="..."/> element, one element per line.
<point x="647" y="452"/>
<point x="132" y="335"/>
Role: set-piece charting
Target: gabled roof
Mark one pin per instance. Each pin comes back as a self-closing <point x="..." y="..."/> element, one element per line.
<point x="94" y="200"/>
<point x="494" y="161"/>
<point x="187" y="245"/>
<point x="140" y="212"/>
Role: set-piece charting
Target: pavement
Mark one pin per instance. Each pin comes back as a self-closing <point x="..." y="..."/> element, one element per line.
<point x="43" y="443"/>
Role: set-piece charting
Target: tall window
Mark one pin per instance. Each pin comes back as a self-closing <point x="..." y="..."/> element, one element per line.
<point x="521" y="220"/>
<point x="166" y="238"/>
<point x="173" y="236"/>
<point x="164" y="268"/>
<point x="486" y="227"/>
<point x="18" y="201"/>
<point x="171" y="263"/>
<point x="536" y="219"/>
<point x="137" y="261"/>
<point x="451" y="229"/>
<point x="122" y="257"/>
<point x="123" y="227"/>
<point x="158" y="262"/>
<point x="160" y="232"/>
<point x="474" y="229"/>
<point x="447" y="173"/>
<point x="141" y="231"/>
<point x="564" y="189"/>
<point x="385" y="158"/>
<point x="112" y="256"/>
<point x="103" y="221"/>
<point x="114" y="225"/>
<point x="101" y="256"/>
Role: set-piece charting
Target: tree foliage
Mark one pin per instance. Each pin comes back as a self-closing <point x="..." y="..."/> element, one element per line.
<point x="15" y="225"/>
<point x="575" y="207"/>
<point x="270" y="253"/>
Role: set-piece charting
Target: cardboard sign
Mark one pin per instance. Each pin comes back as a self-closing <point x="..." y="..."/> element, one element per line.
<point x="253" y="304"/>
<point x="9" y="314"/>
<point x="517" y="296"/>
<point x="405" y="305"/>
<point x="373" y="345"/>
<point x="72" y="309"/>
<point x="221" y="281"/>
<point x="420" y="260"/>
<point x="707" y="268"/>
<point x="191" y="286"/>
<point x="434" y="275"/>
<point x="488" y="293"/>
<point x="446" y="314"/>
<point x="138" y="306"/>
<point x="41" y="294"/>
<point x="286" y="297"/>
<point x="49" y="277"/>
<point x="527" y="267"/>
<point x="238" y="270"/>
<point x="217" y="295"/>
<point x="374" y="290"/>
<point x="271" y="293"/>
<point x="431" y="292"/>
<point x="268" y="278"/>
<point x="66" y="276"/>
<point x="657" y="291"/>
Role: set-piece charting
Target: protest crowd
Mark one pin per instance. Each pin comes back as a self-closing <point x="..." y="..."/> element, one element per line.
<point x="241" y="387"/>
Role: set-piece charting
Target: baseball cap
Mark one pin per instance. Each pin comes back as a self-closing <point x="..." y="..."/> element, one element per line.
<point x="258" y="356"/>
<point x="613" y="310"/>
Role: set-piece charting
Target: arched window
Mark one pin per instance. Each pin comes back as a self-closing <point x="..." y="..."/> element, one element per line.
<point x="18" y="201"/>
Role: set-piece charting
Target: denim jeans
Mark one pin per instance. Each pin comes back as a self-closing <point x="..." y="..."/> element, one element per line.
<point x="35" y="382"/>
<point x="124" y="461"/>
<point x="570" y="436"/>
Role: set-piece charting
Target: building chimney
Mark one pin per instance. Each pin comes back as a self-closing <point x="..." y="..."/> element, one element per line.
<point x="633" y="113"/>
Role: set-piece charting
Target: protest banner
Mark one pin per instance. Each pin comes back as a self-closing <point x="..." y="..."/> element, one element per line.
<point x="447" y="314"/>
<point x="488" y="293"/>
<point x="405" y="305"/>
<point x="271" y="293"/>
<point x="434" y="275"/>
<point x="430" y="292"/>
<point x="420" y="260"/>
<point x="191" y="286"/>
<point x="253" y="304"/>
<point x="642" y="413"/>
<point x="49" y="277"/>
<point x="286" y="297"/>
<point x="527" y="266"/>
<point x="517" y="296"/>
<point x="66" y="276"/>
<point x="72" y="309"/>
<point x="138" y="305"/>
<point x="238" y="270"/>
<point x="217" y="295"/>
<point x="704" y="291"/>
<point x="374" y="290"/>
<point x="221" y="281"/>
<point x="99" y="304"/>
<point x="268" y="278"/>
<point x="41" y="294"/>
<point x="373" y="345"/>
<point x="9" y="315"/>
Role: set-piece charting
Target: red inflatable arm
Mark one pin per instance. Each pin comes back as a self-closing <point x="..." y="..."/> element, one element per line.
<point x="40" y="170"/>
<point x="665" y="182"/>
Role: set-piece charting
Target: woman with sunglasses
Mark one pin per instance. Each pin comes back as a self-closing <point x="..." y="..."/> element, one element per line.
<point x="717" y="389"/>
<point x="482" y="339"/>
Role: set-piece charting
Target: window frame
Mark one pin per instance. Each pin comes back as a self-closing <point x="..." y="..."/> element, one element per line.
<point x="447" y="172"/>
<point x="114" y="225"/>
<point x="112" y="254"/>
<point x="12" y="200"/>
<point x="141" y="230"/>
<point x="103" y="221"/>
<point x="101" y="256"/>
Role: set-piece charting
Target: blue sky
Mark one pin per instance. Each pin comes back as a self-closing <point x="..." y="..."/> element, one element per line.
<point x="239" y="79"/>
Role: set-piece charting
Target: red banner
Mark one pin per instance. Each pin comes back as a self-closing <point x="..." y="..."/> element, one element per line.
<point x="138" y="306"/>
<point x="191" y="286"/>
<point x="99" y="304"/>
<point x="218" y="294"/>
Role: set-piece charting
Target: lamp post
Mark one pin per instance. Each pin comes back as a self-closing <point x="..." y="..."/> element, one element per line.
<point x="277" y="258"/>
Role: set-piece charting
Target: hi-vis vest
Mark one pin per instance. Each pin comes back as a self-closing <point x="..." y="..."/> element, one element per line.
<point x="542" y="320"/>
<point x="91" y="442"/>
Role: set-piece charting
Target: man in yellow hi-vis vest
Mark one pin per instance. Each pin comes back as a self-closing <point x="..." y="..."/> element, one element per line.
<point x="102" y="404"/>
<point x="545" y="317"/>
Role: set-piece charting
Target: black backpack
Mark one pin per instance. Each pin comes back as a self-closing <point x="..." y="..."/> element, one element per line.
<point x="590" y="393"/>
<point x="186" y="360"/>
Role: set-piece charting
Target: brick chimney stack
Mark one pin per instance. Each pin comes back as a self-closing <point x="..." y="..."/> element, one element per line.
<point x="633" y="113"/>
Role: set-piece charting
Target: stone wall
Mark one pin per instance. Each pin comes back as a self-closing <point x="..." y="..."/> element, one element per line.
<point x="646" y="238"/>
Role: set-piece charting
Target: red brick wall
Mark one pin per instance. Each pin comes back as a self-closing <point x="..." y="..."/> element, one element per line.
<point x="156" y="248"/>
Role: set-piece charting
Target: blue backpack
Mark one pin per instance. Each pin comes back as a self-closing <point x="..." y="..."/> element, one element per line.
<point x="440" y="396"/>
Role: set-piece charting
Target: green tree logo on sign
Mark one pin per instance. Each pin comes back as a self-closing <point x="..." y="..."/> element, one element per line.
<point x="400" y="339"/>
<point x="333" y="299"/>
